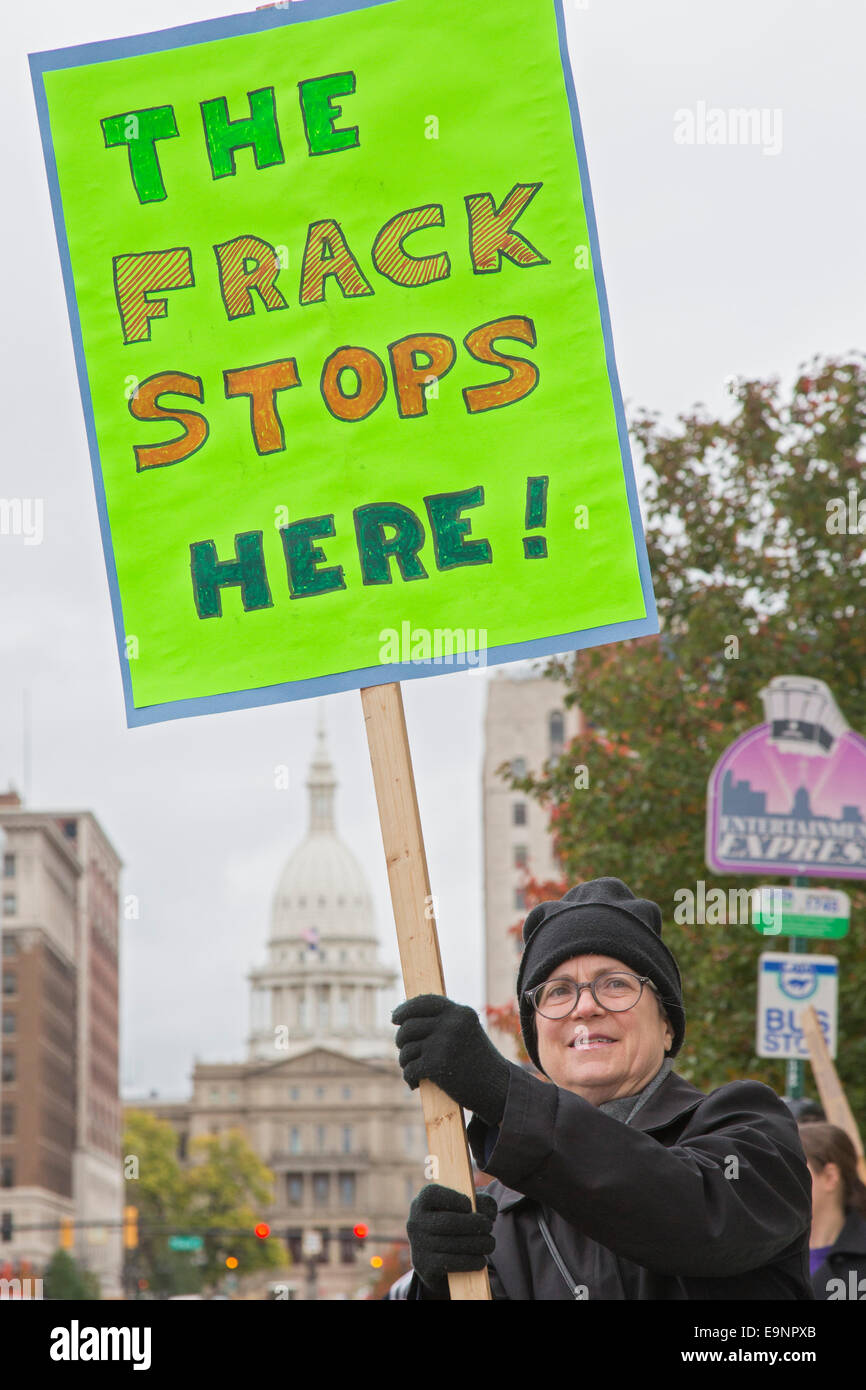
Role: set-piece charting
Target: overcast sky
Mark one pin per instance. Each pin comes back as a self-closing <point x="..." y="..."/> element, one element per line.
<point x="718" y="260"/>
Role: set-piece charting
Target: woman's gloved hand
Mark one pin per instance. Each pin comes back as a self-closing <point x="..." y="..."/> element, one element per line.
<point x="444" y="1042"/>
<point x="447" y="1237"/>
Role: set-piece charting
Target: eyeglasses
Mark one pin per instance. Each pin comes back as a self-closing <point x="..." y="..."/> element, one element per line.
<point x="616" y="991"/>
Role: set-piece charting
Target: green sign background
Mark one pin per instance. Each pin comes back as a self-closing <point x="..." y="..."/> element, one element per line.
<point x="491" y="78"/>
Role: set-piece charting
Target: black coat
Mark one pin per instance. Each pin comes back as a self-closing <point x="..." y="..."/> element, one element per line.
<point x="847" y="1254"/>
<point x="701" y="1196"/>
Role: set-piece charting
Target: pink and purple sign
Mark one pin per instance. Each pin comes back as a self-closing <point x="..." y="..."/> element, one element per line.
<point x="789" y="797"/>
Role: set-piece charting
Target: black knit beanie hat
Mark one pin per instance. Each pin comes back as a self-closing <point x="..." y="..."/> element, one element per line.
<point x="602" y="917"/>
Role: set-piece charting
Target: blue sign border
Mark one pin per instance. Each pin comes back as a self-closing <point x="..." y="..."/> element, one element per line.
<point x="228" y="27"/>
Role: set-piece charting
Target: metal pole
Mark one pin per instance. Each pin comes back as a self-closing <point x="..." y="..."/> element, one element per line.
<point x="795" y="1066"/>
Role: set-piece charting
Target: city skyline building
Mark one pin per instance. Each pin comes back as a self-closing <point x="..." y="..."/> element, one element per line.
<point x="60" y="1112"/>
<point x="526" y="723"/>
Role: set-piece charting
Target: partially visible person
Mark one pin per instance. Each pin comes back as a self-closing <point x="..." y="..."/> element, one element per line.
<point x="805" y="1111"/>
<point x="837" y="1245"/>
<point x="615" y="1178"/>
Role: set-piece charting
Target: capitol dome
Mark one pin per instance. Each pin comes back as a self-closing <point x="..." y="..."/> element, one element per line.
<point x="323" y="976"/>
<point x="322" y="888"/>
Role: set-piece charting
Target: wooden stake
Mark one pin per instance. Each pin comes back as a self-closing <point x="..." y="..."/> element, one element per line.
<point x="416" y="932"/>
<point x="833" y="1098"/>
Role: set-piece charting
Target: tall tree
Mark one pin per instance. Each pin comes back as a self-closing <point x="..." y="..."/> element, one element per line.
<point x="754" y="578"/>
<point x="157" y="1187"/>
<point x="220" y="1195"/>
<point x="228" y="1186"/>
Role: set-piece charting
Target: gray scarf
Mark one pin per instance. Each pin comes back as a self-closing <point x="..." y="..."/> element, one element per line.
<point x="626" y="1107"/>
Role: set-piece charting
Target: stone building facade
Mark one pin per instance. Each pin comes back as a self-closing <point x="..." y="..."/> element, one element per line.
<point x="320" y="1096"/>
<point x="60" y="1112"/>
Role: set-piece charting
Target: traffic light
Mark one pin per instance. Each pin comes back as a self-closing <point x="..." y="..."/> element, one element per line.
<point x="6" y="1225"/>
<point x="130" y="1228"/>
<point x="263" y="1230"/>
<point x="376" y="1262"/>
<point x="362" y="1230"/>
<point x="231" y="1262"/>
<point x="67" y="1233"/>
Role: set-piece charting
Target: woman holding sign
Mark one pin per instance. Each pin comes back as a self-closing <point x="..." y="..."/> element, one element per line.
<point x="620" y="1180"/>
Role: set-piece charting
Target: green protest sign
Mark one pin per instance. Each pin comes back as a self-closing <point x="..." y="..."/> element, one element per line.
<point x="343" y="348"/>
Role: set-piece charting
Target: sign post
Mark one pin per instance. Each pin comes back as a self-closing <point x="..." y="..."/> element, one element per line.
<point x="788" y="797"/>
<point x="414" y="918"/>
<point x="833" y="1097"/>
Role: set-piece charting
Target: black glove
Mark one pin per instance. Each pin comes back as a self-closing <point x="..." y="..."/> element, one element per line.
<point x="447" y="1237"/>
<point x="444" y="1042"/>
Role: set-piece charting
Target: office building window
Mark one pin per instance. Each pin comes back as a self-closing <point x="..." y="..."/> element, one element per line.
<point x="295" y="1189"/>
<point x="347" y="1189"/>
<point x="10" y="946"/>
<point x="520" y="899"/>
<point x="7" y="1172"/>
<point x="347" y="1093"/>
<point x="7" y="1120"/>
<point x="10" y="982"/>
<point x="347" y="1139"/>
<point x="9" y="1067"/>
<point x="8" y="865"/>
<point x="518" y="767"/>
<point x="556" y="732"/>
<point x="320" y="1138"/>
<point x="294" y="1093"/>
<point x="10" y="906"/>
<point x="518" y="813"/>
<point x="321" y="1189"/>
<point x="8" y="1021"/>
<point x="320" y="1093"/>
<point x="521" y="856"/>
<point x="294" y="1140"/>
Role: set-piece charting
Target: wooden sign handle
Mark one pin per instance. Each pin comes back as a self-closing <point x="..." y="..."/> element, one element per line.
<point x="833" y="1098"/>
<point x="418" y="943"/>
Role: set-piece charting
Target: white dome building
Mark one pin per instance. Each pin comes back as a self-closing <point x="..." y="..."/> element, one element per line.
<point x="323" y="981"/>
